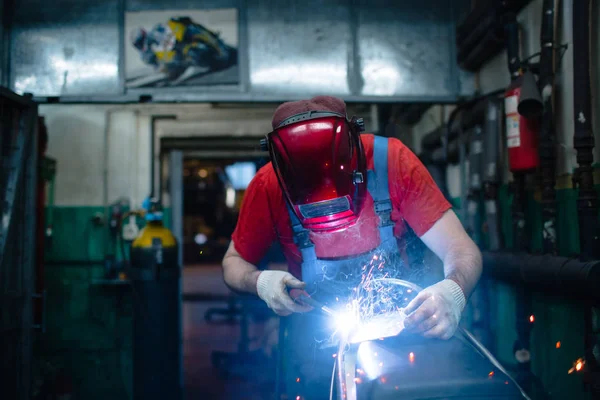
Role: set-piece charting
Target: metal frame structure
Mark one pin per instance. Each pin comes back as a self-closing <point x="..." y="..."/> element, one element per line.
<point x="352" y="45"/>
<point x="18" y="179"/>
<point x="176" y="192"/>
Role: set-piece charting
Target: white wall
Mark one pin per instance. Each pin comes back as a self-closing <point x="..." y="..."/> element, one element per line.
<point x="78" y="140"/>
<point x="494" y="75"/>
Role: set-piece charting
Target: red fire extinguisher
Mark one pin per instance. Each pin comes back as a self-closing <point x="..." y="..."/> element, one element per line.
<point x="521" y="132"/>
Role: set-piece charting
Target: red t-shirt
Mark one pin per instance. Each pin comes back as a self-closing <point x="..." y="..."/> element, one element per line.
<point x="264" y="218"/>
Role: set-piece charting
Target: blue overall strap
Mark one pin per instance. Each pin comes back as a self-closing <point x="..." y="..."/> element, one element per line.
<point x="378" y="187"/>
<point x="302" y="238"/>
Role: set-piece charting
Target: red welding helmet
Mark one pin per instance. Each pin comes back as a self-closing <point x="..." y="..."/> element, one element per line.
<point x="319" y="161"/>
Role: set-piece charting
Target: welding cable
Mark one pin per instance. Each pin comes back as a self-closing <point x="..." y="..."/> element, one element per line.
<point x="492" y="359"/>
<point x="332" y="381"/>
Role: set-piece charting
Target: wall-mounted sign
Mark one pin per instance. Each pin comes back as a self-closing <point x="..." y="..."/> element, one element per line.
<point x="181" y="48"/>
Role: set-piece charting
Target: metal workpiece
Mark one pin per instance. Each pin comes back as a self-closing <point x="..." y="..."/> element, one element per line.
<point x="358" y="50"/>
<point x="412" y="367"/>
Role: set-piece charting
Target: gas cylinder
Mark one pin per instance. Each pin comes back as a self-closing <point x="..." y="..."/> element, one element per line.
<point x="521" y="133"/>
<point x="157" y="336"/>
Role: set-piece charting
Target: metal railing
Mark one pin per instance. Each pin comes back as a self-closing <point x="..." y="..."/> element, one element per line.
<point x="18" y="175"/>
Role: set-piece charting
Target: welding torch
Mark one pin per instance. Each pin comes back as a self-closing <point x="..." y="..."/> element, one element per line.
<point x="300" y="296"/>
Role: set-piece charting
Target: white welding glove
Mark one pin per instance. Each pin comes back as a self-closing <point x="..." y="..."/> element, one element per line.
<point x="436" y="311"/>
<point x="272" y="287"/>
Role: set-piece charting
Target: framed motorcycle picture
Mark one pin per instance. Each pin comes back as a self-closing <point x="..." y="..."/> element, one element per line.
<point x="181" y="48"/>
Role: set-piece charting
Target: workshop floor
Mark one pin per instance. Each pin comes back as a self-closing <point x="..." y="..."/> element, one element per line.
<point x="203" y="288"/>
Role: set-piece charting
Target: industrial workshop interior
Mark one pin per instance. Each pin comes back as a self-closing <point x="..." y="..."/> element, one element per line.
<point x="160" y="237"/>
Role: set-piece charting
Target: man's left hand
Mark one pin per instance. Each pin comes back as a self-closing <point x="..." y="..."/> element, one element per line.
<point x="436" y="311"/>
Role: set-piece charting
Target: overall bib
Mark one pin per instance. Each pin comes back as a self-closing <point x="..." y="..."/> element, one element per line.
<point x="307" y="366"/>
<point x="451" y="369"/>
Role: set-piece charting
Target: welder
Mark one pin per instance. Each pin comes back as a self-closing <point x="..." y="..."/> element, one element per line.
<point x="336" y="198"/>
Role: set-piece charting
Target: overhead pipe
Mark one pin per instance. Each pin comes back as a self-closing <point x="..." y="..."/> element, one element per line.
<point x="443" y="142"/>
<point x="556" y="275"/>
<point x="438" y="156"/>
<point x="583" y="140"/>
<point x="547" y="140"/>
<point x="433" y="139"/>
<point x="519" y="201"/>
<point x="483" y="180"/>
<point x="483" y="155"/>
<point x="479" y="298"/>
<point x="490" y="45"/>
<point x="471" y="49"/>
<point x="489" y="171"/>
<point x="475" y="161"/>
<point x="470" y="23"/>
<point x="587" y="201"/>
<point x="480" y="37"/>
<point x="524" y="304"/>
<point x="453" y="129"/>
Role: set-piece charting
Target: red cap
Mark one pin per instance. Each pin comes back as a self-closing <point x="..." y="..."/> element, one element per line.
<point x="319" y="103"/>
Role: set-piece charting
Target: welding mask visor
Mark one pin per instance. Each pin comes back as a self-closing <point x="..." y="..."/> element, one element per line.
<point x="320" y="164"/>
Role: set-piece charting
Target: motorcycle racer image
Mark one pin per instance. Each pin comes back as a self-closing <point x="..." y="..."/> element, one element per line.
<point x="180" y="50"/>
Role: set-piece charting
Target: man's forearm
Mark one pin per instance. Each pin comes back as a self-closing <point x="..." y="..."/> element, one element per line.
<point x="240" y="275"/>
<point x="463" y="264"/>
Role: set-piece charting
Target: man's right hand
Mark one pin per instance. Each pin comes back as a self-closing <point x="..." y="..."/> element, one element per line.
<point x="272" y="287"/>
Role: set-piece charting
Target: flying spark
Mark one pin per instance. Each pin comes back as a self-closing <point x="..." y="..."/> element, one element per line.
<point x="577" y="365"/>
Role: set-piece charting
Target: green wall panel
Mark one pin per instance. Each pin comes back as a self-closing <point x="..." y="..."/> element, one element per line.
<point x="556" y="319"/>
<point x="503" y="320"/>
<point x="88" y="324"/>
<point x="89" y="331"/>
<point x="75" y="237"/>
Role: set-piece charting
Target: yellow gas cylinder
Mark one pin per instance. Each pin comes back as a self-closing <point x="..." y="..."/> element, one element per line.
<point x="155" y="278"/>
<point x="154" y="251"/>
